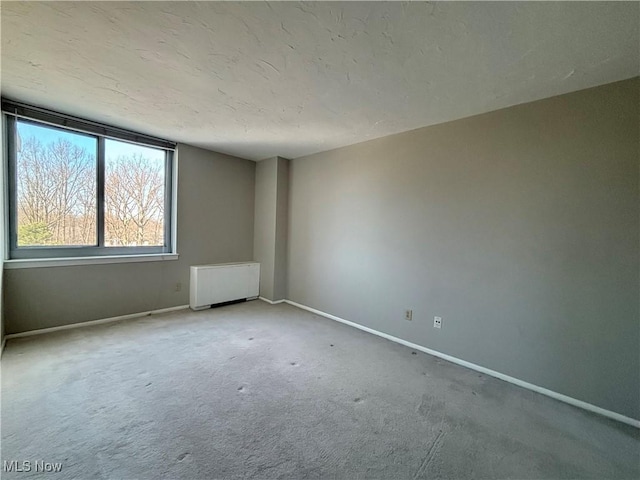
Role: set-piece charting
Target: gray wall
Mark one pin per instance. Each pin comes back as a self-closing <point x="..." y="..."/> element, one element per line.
<point x="282" y="230"/>
<point x="215" y="225"/>
<point x="270" y="226"/>
<point x="265" y="223"/>
<point x="518" y="227"/>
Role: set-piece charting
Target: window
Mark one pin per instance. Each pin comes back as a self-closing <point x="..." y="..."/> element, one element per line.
<point x="79" y="189"/>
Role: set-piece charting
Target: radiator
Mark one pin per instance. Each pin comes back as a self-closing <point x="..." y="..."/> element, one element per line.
<point x="212" y="284"/>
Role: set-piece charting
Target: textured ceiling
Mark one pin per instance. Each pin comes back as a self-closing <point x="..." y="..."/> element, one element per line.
<point x="262" y="79"/>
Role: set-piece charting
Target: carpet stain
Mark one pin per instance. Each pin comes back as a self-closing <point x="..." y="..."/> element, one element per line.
<point x="182" y="456"/>
<point x="425" y="406"/>
<point x="251" y="338"/>
<point x="414" y="353"/>
<point x="294" y="364"/>
<point x="149" y="384"/>
<point x="241" y="389"/>
<point x="357" y="400"/>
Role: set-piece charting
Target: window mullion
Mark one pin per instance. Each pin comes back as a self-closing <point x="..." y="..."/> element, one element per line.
<point x="100" y="204"/>
<point x="12" y="164"/>
<point x="168" y="184"/>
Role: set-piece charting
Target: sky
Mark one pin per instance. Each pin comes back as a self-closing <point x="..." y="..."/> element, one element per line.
<point x="113" y="148"/>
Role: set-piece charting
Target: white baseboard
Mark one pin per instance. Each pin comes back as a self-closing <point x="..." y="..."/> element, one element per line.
<point x="94" y="322"/>
<point x="529" y="386"/>
<point x="271" y="301"/>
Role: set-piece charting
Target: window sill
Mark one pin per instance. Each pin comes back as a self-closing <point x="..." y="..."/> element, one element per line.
<point x="71" y="261"/>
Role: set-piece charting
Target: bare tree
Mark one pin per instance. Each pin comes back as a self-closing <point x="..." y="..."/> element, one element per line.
<point x="57" y="192"/>
<point x="134" y="201"/>
<point x="53" y="185"/>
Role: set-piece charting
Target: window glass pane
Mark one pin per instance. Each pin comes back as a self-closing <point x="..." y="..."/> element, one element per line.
<point x="55" y="186"/>
<point x="134" y="195"/>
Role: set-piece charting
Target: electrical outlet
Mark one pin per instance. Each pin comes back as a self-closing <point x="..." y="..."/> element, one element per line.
<point x="178" y="287"/>
<point x="437" y="322"/>
<point x="408" y="314"/>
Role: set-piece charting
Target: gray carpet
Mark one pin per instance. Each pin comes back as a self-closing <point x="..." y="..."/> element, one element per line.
<point x="260" y="391"/>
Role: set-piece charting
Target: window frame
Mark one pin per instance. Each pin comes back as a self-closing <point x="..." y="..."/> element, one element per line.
<point x="12" y="112"/>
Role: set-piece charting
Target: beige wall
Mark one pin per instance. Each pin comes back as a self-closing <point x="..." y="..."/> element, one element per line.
<point x="518" y="227"/>
<point x="215" y="225"/>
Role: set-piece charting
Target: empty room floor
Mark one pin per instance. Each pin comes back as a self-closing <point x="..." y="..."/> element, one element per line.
<point x="271" y="391"/>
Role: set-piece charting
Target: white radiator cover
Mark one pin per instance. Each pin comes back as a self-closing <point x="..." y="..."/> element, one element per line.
<point x="211" y="284"/>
